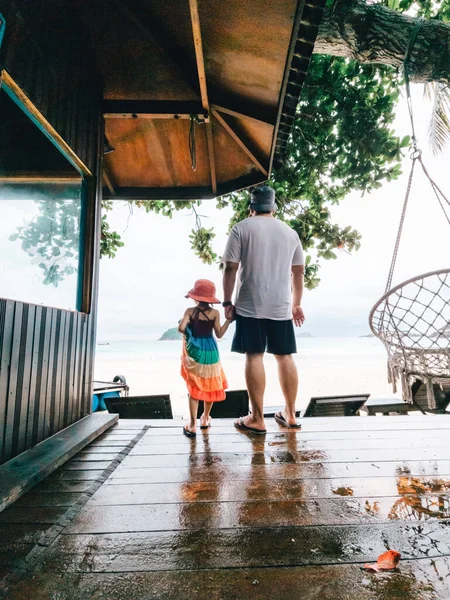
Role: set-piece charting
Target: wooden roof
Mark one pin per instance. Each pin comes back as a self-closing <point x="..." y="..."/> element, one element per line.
<point x="237" y="66"/>
<point x="190" y="83"/>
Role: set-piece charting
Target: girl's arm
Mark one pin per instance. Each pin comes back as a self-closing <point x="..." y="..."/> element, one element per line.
<point x="184" y="321"/>
<point x="220" y="330"/>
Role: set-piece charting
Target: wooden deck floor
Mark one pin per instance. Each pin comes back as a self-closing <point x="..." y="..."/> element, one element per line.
<point x="144" y="512"/>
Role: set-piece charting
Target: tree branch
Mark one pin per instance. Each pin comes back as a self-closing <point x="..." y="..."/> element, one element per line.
<point x="370" y="33"/>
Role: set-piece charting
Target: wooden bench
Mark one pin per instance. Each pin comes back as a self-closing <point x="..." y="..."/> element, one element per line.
<point x="389" y="406"/>
<point x="234" y="406"/>
<point x="335" y="406"/>
<point x="157" y="406"/>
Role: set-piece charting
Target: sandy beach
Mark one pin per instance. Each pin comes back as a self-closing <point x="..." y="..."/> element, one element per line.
<point x="326" y="366"/>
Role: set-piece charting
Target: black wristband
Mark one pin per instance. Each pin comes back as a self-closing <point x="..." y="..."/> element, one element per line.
<point x="225" y="304"/>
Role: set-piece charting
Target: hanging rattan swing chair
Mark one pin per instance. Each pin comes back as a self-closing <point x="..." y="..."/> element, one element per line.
<point x="412" y="319"/>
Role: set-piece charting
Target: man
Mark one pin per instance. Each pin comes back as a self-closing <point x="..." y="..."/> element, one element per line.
<point x="269" y="256"/>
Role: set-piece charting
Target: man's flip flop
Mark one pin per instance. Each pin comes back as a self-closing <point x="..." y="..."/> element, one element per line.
<point x="239" y="424"/>
<point x="189" y="434"/>
<point x="282" y="421"/>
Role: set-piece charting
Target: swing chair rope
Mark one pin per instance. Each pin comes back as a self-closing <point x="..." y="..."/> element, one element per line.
<point x="400" y="227"/>
<point x="416" y="155"/>
<point x="438" y="192"/>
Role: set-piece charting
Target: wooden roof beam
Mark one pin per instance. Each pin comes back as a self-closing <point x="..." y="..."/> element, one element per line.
<point x="41" y="178"/>
<point x="159" y="193"/>
<point x="196" y="30"/>
<point x="182" y="109"/>
<point x="246" y="112"/>
<point x="232" y="133"/>
<point x="107" y="178"/>
<point x="185" y="193"/>
<point x="153" y="109"/>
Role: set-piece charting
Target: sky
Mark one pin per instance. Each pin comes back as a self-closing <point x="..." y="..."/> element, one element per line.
<point x="142" y="290"/>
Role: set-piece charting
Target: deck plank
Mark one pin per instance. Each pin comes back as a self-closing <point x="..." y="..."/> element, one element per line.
<point x="427" y="579"/>
<point x="262" y="489"/>
<point x="267" y="513"/>
<point x="296" y="444"/>
<point x="237" y="548"/>
<point x="397" y="423"/>
<point x="288" y="456"/>
<point x="177" y="437"/>
<point x="312" y="470"/>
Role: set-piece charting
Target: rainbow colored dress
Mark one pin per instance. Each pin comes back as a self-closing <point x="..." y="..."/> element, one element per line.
<point x="200" y="362"/>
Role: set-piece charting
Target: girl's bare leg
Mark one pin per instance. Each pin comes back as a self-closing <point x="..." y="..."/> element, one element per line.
<point x="193" y="408"/>
<point x="205" y="418"/>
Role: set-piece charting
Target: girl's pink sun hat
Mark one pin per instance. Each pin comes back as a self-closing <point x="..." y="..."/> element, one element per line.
<point x="203" y="291"/>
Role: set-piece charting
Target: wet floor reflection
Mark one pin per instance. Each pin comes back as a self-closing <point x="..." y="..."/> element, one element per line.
<point x="263" y="493"/>
<point x="420" y="500"/>
<point x="200" y="518"/>
<point x="343" y="491"/>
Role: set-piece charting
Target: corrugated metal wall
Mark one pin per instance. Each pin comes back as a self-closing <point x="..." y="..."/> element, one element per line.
<point x="45" y="374"/>
<point x="46" y="354"/>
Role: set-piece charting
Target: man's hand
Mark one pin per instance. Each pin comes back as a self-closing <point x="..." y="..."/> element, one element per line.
<point x="230" y="312"/>
<point x="298" y="316"/>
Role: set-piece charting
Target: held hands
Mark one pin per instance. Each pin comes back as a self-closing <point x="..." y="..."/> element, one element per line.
<point x="230" y="313"/>
<point x="298" y="316"/>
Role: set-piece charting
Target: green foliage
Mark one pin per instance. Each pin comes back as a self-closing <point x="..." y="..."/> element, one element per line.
<point x="201" y="243"/>
<point x="427" y="9"/>
<point x="52" y="239"/>
<point x="342" y="137"/>
<point x="439" y="129"/>
<point x="110" y="241"/>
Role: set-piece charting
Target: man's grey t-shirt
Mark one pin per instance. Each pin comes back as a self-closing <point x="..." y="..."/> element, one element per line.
<point x="266" y="249"/>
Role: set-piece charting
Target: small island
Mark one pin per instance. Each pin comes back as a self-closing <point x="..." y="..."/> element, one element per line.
<point x="171" y="334"/>
<point x="303" y="334"/>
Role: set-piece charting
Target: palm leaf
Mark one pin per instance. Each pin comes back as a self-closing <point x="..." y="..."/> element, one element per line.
<point x="439" y="128"/>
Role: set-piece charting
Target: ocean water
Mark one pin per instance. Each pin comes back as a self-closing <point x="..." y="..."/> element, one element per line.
<point x="326" y="366"/>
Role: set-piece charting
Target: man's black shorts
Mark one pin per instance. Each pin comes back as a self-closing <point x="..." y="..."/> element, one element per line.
<point x="255" y="336"/>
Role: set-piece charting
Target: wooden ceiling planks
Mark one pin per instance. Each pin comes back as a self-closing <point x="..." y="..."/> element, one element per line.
<point x="241" y="142"/>
<point x="231" y="160"/>
<point x="240" y="64"/>
<point x="246" y="46"/>
<point x="155" y="153"/>
<point x="133" y="63"/>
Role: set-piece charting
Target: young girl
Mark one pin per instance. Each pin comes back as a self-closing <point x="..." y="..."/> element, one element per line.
<point x="200" y="363"/>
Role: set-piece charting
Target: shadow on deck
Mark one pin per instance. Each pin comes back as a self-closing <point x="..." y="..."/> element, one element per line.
<point x="144" y="512"/>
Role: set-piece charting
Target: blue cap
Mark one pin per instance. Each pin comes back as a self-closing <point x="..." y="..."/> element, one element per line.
<point x="263" y="199"/>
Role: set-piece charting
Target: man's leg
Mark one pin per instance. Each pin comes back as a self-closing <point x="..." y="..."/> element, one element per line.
<point x="250" y="339"/>
<point x="255" y="377"/>
<point x="288" y="376"/>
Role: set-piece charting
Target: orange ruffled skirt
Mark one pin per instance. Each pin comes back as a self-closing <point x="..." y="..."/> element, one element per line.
<point x="201" y="368"/>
